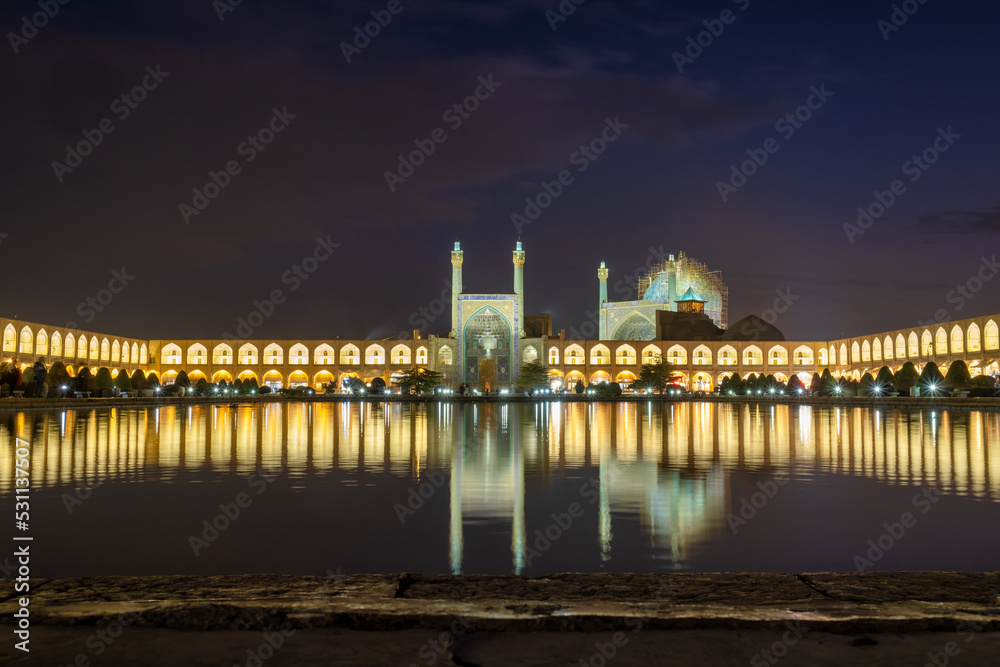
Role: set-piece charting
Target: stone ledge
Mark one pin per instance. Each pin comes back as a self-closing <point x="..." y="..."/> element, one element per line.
<point x="841" y="603"/>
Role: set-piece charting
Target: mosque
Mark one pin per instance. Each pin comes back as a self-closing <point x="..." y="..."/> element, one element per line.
<point x="681" y="316"/>
<point x="676" y="285"/>
<point x="491" y="332"/>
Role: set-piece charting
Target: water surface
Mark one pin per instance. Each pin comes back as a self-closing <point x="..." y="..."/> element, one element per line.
<point x="495" y="488"/>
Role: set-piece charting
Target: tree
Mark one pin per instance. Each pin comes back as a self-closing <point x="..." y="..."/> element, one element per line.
<point x="353" y="384"/>
<point x="417" y="380"/>
<point x="827" y="384"/>
<point x="238" y="387"/>
<point x="58" y="376"/>
<point x="736" y="385"/>
<point x="122" y="381"/>
<point x="103" y="378"/>
<point x="983" y="382"/>
<point x="883" y="381"/>
<point x="609" y="389"/>
<point x="84" y="380"/>
<point x="378" y="384"/>
<point x="152" y="380"/>
<point x="795" y="386"/>
<point x="958" y="375"/>
<point x="905" y="378"/>
<point x="579" y="388"/>
<point x="533" y="375"/>
<point x="657" y="375"/>
<point x="867" y="386"/>
<point x="931" y="378"/>
<point x="816" y="384"/>
<point x="138" y="379"/>
<point x="182" y="380"/>
<point x="251" y="385"/>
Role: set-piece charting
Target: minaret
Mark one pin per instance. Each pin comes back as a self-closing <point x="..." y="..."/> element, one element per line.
<point x="456" y="286"/>
<point x="519" y="286"/>
<point x="602" y="276"/>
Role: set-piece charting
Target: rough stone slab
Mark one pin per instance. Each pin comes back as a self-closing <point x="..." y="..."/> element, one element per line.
<point x="733" y="588"/>
<point x="981" y="587"/>
<point x="884" y="602"/>
<point x="220" y="588"/>
<point x="508" y="615"/>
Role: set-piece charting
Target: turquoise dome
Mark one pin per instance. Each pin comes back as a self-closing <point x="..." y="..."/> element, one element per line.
<point x="659" y="288"/>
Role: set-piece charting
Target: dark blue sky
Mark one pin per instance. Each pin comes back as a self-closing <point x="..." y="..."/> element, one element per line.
<point x="655" y="186"/>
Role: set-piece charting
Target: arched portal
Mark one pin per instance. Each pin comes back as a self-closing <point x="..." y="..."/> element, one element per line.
<point x="298" y="379"/>
<point x="9" y="338"/>
<point x="625" y="380"/>
<point x="635" y="327"/>
<point x="321" y="379"/>
<point x="572" y="379"/>
<point x="27" y="341"/>
<point x="701" y="382"/>
<point x="42" y="343"/>
<point x="273" y="380"/>
<point x="323" y="355"/>
<point x="600" y="376"/>
<point x="487" y="349"/>
<point x="555" y="379"/>
<point x="222" y="376"/>
<point x="345" y="376"/>
<point x="247" y="375"/>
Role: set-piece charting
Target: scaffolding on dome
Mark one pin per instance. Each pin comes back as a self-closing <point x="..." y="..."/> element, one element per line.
<point x="706" y="283"/>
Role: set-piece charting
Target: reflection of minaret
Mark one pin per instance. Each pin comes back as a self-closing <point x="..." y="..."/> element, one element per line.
<point x="487" y="481"/>
<point x="455" y="526"/>
<point x="518" y="530"/>
<point x="519" y="287"/>
<point x="456" y="286"/>
<point x="604" y="506"/>
<point x="602" y="276"/>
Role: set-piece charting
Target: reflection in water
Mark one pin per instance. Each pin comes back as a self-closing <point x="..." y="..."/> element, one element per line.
<point x="667" y="465"/>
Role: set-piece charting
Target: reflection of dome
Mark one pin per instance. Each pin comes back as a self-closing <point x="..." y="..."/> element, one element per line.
<point x="659" y="288"/>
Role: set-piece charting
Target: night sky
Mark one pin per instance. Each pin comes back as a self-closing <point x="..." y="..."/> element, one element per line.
<point x="212" y="85"/>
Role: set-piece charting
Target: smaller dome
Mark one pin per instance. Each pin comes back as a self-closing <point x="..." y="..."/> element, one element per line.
<point x="659" y="288"/>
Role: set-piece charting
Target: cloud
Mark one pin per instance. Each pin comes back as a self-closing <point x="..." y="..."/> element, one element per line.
<point x="492" y="11"/>
<point x="328" y="167"/>
<point x="960" y="222"/>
